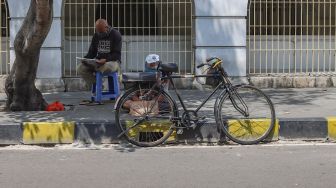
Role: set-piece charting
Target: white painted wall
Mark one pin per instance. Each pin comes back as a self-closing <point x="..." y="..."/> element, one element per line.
<point x="221" y="31"/>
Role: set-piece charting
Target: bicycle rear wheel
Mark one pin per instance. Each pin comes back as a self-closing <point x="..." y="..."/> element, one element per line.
<point x="246" y="115"/>
<point x="145" y="117"/>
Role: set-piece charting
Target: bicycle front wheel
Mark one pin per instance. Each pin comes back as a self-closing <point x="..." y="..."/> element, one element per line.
<point x="145" y="117"/>
<point x="246" y="115"/>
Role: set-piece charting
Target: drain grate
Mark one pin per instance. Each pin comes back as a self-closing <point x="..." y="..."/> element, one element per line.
<point x="150" y="136"/>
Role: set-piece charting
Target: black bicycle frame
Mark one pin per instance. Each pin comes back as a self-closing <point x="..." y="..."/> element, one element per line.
<point x="170" y="78"/>
<point x="225" y="82"/>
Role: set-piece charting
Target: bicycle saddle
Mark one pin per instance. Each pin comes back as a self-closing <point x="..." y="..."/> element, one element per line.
<point x="169" y="67"/>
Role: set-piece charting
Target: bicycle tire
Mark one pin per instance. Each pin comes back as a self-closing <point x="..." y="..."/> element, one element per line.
<point x="139" y="140"/>
<point x="236" y="128"/>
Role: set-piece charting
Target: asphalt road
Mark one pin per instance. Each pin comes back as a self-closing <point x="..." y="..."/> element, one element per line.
<point x="215" y="166"/>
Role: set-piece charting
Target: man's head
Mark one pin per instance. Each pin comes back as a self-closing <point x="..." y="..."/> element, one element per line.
<point x="102" y="26"/>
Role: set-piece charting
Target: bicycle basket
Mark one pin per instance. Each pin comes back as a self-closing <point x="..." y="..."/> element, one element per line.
<point x="214" y="80"/>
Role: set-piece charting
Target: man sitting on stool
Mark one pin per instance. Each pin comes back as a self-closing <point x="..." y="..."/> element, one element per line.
<point x="106" y="49"/>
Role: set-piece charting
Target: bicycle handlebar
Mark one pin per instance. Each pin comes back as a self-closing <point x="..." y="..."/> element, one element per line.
<point x="201" y="65"/>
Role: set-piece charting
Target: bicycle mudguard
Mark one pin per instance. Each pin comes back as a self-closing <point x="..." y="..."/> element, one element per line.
<point x="117" y="102"/>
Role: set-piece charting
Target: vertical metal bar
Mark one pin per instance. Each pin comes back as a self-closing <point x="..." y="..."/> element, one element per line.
<point x="167" y="31"/>
<point x="131" y="52"/>
<point x="118" y="26"/>
<point x="2" y="63"/>
<point x="295" y="34"/>
<point x="290" y="38"/>
<point x="249" y="39"/>
<point x="254" y="36"/>
<point x="313" y="37"/>
<point x="144" y="30"/>
<point x="330" y="18"/>
<point x="266" y="34"/>
<point x="179" y="35"/>
<point x="1" y="39"/>
<point x="260" y="42"/>
<point x="301" y="46"/>
<point x="173" y="28"/>
<point x="137" y="32"/>
<point x="334" y="38"/>
<point x="155" y="27"/>
<point x="191" y="37"/>
<point x="324" y="36"/>
<point x="284" y="37"/>
<point x="125" y="32"/>
<point x="318" y="37"/>
<point x="88" y="25"/>
<point x="161" y="27"/>
<point x="4" y="32"/>
<point x="70" y="38"/>
<point x="82" y="29"/>
<point x="307" y="37"/>
<point x="76" y="35"/>
<point x="186" y="33"/>
<point x="272" y="35"/>
<point x="150" y="27"/>
<point x="8" y="39"/>
<point x="278" y="51"/>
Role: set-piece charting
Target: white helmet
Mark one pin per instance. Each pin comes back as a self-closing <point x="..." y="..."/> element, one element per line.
<point x="151" y="62"/>
<point x="152" y="58"/>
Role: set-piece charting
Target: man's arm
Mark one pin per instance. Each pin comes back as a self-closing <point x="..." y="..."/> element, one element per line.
<point x="92" y="53"/>
<point x="116" y="45"/>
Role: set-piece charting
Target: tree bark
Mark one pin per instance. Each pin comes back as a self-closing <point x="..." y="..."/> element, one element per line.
<point x="22" y="95"/>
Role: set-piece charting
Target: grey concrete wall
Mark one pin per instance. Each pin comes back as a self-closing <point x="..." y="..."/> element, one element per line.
<point x="220" y="28"/>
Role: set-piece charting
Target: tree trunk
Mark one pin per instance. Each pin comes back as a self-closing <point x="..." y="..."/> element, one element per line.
<point x="22" y="95"/>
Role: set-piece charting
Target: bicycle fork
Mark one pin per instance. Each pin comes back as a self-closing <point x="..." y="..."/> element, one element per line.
<point x="233" y="93"/>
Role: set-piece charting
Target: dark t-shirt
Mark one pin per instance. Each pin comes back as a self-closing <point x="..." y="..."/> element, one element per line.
<point x="106" y="46"/>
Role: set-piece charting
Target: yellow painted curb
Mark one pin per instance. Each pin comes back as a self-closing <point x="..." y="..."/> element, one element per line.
<point x="48" y="132"/>
<point x="332" y="128"/>
<point x="253" y="128"/>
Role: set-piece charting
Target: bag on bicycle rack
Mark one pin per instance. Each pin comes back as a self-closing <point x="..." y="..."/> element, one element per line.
<point x="212" y="81"/>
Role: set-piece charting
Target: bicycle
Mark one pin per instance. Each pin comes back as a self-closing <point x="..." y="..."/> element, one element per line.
<point x="147" y="115"/>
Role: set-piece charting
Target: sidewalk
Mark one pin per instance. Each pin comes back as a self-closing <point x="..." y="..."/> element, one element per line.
<point x="302" y="110"/>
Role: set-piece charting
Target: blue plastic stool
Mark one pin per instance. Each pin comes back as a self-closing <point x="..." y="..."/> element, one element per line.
<point x="113" y="91"/>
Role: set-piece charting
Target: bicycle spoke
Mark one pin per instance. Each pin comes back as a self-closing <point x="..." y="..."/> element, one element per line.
<point x="154" y="109"/>
<point x="251" y="127"/>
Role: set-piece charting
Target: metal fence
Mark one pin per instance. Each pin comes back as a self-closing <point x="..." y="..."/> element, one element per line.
<point x="163" y="27"/>
<point x="292" y="37"/>
<point x="4" y="38"/>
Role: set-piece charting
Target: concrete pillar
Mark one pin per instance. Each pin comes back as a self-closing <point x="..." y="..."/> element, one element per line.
<point x="220" y="28"/>
<point x="49" y="74"/>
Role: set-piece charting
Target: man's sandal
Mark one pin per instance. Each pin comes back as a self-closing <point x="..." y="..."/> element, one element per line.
<point x="90" y="103"/>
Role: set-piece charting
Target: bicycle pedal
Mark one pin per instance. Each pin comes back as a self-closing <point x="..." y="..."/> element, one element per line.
<point x="200" y="123"/>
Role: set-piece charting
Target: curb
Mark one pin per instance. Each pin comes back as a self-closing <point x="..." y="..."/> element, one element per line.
<point x="105" y="132"/>
<point x="10" y="133"/>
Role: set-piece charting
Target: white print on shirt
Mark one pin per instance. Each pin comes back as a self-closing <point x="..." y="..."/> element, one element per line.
<point x="104" y="46"/>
